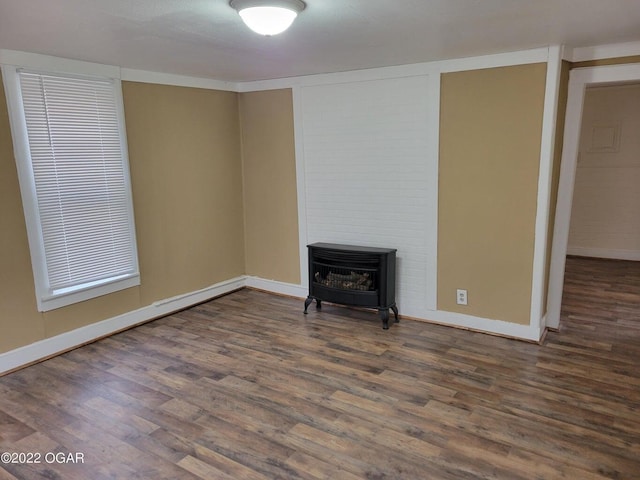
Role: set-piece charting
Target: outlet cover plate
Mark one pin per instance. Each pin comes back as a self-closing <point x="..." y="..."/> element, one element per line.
<point x="461" y="297"/>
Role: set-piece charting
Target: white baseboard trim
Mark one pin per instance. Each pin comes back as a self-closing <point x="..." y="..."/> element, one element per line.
<point x="485" y="325"/>
<point x="275" y="286"/>
<point x="612" y="253"/>
<point x="49" y="347"/>
<point x="497" y="327"/>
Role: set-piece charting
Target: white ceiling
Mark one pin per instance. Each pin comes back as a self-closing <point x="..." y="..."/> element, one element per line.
<point x="206" y="38"/>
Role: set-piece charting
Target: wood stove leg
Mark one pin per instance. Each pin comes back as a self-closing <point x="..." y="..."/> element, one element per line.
<point x="384" y="315"/>
<point x="307" y="302"/>
<point x="395" y="312"/>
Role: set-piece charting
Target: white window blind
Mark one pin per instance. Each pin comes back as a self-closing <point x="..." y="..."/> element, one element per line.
<point x="79" y="175"/>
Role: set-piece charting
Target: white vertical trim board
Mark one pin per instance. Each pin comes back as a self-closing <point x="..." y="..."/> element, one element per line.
<point x="300" y="184"/>
<point x="552" y="90"/>
<point x="432" y="166"/>
<point x="369" y="174"/>
<point x="580" y="78"/>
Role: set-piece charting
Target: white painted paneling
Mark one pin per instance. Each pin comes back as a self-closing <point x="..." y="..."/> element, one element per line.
<point x="371" y="175"/>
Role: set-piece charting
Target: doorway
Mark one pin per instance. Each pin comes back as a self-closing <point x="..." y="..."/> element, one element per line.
<point x="579" y="81"/>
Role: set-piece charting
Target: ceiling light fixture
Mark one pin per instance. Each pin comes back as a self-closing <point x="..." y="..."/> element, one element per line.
<point x="268" y="17"/>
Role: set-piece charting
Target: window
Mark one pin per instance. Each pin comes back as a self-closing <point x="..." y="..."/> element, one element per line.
<point x="71" y="153"/>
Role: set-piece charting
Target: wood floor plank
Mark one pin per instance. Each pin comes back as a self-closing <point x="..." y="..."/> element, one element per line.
<point x="246" y="386"/>
<point x="317" y="469"/>
<point x="202" y="469"/>
<point x="375" y="461"/>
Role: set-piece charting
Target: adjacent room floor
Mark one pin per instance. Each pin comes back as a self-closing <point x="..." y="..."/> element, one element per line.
<point x="247" y="387"/>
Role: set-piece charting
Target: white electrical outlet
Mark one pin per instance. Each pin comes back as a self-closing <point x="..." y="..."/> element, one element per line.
<point x="461" y="297"/>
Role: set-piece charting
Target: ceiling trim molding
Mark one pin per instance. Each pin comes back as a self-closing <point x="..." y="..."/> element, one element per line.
<point x="567" y="53"/>
<point x="143" y="76"/>
<point x="523" y="57"/>
<point x="57" y="64"/>
<point x="51" y="63"/>
<point x="599" y="52"/>
<point x="507" y="59"/>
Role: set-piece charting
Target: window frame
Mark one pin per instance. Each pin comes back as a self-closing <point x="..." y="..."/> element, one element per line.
<point x="47" y="298"/>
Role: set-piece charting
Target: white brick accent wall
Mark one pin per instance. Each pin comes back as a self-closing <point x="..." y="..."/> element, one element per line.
<point x="370" y="162"/>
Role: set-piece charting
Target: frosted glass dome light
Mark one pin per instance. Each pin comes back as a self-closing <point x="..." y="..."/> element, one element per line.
<point x="268" y="17"/>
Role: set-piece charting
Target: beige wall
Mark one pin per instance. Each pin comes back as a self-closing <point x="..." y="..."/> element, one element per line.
<point x="491" y="125"/>
<point x="184" y="149"/>
<point x="270" y="195"/>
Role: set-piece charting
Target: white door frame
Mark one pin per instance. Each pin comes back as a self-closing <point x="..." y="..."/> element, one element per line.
<point x="579" y="80"/>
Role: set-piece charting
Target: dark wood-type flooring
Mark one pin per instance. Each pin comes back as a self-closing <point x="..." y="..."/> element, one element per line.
<point x="245" y="387"/>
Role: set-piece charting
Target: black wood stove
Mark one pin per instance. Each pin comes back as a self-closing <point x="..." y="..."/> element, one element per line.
<point x="353" y="275"/>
